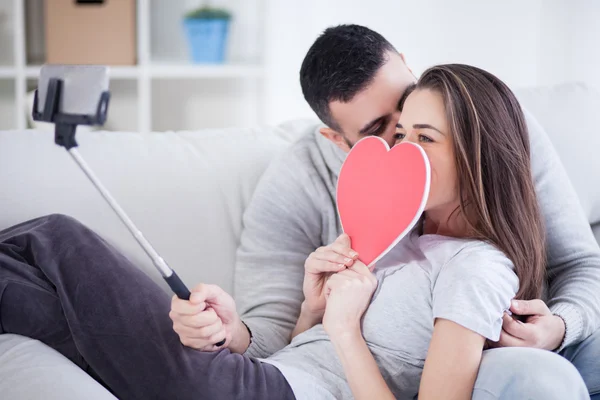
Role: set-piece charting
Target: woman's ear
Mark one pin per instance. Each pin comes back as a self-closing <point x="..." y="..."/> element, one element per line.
<point x="337" y="138"/>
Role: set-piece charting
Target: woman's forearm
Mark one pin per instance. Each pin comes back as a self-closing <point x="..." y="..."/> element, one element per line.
<point x="362" y="373"/>
<point x="306" y="321"/>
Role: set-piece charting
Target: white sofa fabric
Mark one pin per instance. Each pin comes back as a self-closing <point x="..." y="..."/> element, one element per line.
<point x="187" y="192"/>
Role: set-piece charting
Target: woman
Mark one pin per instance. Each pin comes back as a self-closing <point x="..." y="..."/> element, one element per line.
<point x="444" y="288"/>
<point x="440" y="293"/>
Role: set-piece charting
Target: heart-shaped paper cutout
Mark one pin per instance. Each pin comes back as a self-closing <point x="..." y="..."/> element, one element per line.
<point x="381" y="194"/>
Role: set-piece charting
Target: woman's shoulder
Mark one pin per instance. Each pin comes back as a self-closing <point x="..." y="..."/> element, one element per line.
<point x="480" y="249"/>
<point x="446" y="252"/>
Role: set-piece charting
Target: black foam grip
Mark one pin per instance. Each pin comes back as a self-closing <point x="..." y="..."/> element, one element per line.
<point x="178" y="287"/>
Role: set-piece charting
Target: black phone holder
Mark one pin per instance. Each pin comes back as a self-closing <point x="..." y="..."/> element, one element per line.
<point x="65" y="125"/>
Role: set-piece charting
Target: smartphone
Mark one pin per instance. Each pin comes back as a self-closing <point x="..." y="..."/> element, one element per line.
<point x="82" y="89"/>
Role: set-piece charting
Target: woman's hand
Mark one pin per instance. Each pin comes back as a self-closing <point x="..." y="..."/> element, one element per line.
<point x="348" y="294"/>
<point x="319" y="266"/>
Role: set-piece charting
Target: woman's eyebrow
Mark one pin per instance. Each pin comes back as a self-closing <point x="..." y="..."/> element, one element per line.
<point x="427" y="126"/>
<point x="420" y="126"/>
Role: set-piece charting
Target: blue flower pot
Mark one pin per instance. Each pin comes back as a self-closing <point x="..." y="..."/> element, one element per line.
<point x="207" y="39"/>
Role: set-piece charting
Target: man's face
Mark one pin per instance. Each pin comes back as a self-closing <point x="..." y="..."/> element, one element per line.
<point x="374" y="111"/>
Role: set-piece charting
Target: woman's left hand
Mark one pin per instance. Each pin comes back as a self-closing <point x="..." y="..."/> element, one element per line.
<point x="348" y="294"/>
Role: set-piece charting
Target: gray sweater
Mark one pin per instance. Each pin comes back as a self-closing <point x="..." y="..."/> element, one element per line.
<point x="293" y="211"/>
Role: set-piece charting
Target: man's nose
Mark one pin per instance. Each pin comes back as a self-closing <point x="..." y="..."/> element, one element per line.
<point x="390" y="138"/>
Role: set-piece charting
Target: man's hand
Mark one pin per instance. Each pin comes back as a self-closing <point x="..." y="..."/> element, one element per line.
<point x="207" y="318"/>
<point x="541" y="330"/>
<point x="319" y="266"/>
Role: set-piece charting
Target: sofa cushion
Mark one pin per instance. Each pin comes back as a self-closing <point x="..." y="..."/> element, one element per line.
<point x="596" y="230"/>
<point x="31" y="370"/>
<point x="570" y="114"/>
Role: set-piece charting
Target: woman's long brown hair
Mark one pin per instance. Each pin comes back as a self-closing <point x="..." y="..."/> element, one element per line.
<point x="492" y="155"/>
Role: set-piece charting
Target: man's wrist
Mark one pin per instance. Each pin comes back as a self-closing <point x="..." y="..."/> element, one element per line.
<point x="562" y="327"/>
<point x="240" y="340"/>
<point x="573" y="320"/>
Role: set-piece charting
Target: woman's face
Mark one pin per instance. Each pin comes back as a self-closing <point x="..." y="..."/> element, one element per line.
<point x="423" y="121"/>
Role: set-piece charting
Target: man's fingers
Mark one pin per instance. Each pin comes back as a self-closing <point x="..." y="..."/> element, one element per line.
<point x="529" y="307"/>
<point x="184" y="307"/>
<point x="212" y="347"/>
<point x="514" y="327"/>
<point x="201" y="320"/>
<point x="507" y="340"/>
<point x="203" y="333"/>
<point x="204" y="292"/>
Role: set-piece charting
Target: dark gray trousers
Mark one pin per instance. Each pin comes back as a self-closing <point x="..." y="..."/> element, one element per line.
<point x="62" y="284"/>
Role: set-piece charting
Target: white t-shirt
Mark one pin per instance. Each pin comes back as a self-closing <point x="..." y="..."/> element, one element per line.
<point x="423" y="278"/>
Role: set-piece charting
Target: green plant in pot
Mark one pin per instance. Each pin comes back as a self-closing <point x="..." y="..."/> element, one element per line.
<point x="207" y="30"/>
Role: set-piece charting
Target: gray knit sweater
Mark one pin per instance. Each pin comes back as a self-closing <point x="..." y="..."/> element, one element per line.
<point x="293" y="211"/>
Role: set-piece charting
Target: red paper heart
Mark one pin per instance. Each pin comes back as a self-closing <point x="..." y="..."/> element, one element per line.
<point x="381" y="194"/>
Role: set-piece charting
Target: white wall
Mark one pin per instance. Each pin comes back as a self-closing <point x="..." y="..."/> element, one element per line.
<point x="525" y="43"/>
<point x="584" y="57"/>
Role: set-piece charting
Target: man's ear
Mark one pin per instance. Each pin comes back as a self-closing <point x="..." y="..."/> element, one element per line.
<point x="336" y="137"/>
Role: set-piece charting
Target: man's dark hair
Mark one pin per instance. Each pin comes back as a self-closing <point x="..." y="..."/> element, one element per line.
<point x="341" y="62"/>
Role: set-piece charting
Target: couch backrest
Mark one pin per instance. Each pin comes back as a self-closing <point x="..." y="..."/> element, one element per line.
<point x="570" y="114"/>
<point x="186" y="191"/>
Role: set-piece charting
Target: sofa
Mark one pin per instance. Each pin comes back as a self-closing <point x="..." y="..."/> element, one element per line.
<point x="187" y="192"/>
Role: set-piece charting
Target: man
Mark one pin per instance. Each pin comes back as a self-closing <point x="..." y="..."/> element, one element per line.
<point x="353" y="79"/>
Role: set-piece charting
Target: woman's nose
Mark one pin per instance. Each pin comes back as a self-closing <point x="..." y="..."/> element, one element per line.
<point x="410" y="138"/>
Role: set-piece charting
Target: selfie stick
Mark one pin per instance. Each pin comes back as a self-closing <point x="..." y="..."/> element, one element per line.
<point x="65" y="126"/>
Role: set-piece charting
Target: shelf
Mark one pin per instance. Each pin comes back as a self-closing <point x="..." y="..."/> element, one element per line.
<point x="164" y="61"/>
<point x="165" y="71"/>
<point x="7" y="72"/>
<point x="117" y="72"/>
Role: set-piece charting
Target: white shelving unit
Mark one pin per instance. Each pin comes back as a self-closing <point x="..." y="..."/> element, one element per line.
<point x="144" y="75"/>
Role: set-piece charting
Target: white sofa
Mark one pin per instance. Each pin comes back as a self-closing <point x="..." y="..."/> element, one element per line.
<point x="187" y="192"/>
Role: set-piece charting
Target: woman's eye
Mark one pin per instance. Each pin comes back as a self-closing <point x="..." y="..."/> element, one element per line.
<point x="399" y="136"/>
<point x="423" y="138"/>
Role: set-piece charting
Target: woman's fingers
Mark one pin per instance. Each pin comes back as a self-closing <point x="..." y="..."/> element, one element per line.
<point x="334" y="257"/>
<point x="344" y="250"/>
